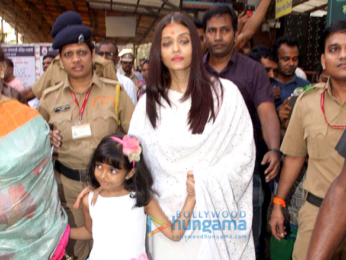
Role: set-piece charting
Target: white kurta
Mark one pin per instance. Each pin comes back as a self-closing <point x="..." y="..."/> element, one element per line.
<point x="222" y="160"/>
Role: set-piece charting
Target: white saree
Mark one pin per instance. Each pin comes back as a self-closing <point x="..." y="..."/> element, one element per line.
<point x="222" y="160"/>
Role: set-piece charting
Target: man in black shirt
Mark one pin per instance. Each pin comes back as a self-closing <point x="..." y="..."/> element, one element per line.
<point x="222" y="60"/>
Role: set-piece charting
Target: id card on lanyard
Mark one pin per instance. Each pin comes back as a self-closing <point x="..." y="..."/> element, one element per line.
<point x="80" y="130"/>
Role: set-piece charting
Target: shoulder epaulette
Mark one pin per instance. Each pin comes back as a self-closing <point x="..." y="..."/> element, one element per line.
<point x="56" y="59"/>
<point x="309" y="88"/>
<point x="52" y="89"/>
<point x="118" y="88"/>
<point x="111" y="82"/>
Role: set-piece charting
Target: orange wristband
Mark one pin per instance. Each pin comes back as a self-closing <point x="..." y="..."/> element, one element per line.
<point x="279" y="201"/>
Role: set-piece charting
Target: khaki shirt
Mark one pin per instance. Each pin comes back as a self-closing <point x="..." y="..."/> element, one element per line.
<point x="133" y="77"/>
<point x="99" y="113"/>
<point x="309" y="135"/>
<point x="55" y="74"/>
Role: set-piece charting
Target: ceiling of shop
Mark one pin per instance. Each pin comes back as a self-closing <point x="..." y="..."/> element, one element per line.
<point x="34" y="18"/>
<point x="317" y="7"/>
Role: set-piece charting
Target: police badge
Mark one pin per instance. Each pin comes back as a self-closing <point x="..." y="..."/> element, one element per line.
<point x="81" y="38"/>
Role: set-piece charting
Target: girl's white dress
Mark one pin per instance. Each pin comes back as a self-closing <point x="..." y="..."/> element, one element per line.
<point x="222" y="159"/>
<point x="118" y="228"/>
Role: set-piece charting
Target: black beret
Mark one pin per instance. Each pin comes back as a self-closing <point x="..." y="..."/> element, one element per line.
<point x="72" y="34"/>
<point x="66" y="19"/>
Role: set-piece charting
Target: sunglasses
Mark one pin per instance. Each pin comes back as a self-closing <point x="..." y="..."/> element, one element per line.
<point x="107" y="53"/>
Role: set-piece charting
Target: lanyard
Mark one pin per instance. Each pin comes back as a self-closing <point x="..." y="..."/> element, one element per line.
<point x="341" y="127"/>
<point x="81" y="109"/>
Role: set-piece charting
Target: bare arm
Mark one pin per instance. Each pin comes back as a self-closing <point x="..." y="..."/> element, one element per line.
<point x="327" y="235"/>
<point x="289" y="174"/>
<point x="271" y="133"/>
<point x="85" y="232"/>
<point x="242" y="20"/>
<point x="252" y="25"/>
<point x="27" y="94"/>
<point x="175" y="230"/>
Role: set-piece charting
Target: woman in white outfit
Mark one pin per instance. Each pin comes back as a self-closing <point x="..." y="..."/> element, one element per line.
<point x="190" y="121"/>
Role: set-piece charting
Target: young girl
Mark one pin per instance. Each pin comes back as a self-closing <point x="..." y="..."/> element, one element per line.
<point x="117" y="222"/>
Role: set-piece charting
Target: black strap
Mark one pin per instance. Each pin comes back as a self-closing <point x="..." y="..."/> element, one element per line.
<point x="314" y="200"/>
<point x="69" y="173"/>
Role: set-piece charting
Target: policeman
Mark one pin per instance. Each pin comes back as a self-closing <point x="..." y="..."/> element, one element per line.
<point x="316" y="125"/>
<point x="56" y="73"/>
<point x="126" y="61"/>
<point x="84" y="108"/>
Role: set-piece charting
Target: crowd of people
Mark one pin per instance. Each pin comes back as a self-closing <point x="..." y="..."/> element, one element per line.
<point x="197" y="156"/>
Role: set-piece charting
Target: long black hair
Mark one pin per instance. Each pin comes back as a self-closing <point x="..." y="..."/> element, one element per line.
<point x="111" y="152"/>
<point x="200" y="86"/>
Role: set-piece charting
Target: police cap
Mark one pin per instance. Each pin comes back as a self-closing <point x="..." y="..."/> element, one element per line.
<point x="64" y="20"/>
<point x="72" y="34"/>
<point x="127" y="57"/>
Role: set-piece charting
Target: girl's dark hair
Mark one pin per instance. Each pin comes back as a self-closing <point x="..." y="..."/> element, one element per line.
<point x="200" y="87"/>
<point x="111" y="152"/>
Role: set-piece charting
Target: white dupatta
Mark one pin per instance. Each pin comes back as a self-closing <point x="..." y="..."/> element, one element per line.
<point x="222" y="159"/>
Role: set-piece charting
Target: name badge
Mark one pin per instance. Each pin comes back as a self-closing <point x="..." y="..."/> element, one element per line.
<point x="62" y="108"/>
<point x="81" y="131"/>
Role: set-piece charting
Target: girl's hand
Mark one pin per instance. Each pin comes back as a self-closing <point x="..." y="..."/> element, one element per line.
<point x="84" y="192"/>
<point x="190" y="184"/>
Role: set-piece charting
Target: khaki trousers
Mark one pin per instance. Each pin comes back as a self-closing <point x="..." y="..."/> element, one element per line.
<point x="68" y="191"/>
<point x="306" y="222"/>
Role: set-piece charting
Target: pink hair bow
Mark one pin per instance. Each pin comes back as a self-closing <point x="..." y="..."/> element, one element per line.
<point x="131" y="147"/>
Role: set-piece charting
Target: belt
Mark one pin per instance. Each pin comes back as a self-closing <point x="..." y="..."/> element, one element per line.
<point x="77" y="175"/>
<point x="314" y="200"/>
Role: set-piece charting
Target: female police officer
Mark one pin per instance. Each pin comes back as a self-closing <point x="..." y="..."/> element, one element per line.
<point x="84" y="108"/>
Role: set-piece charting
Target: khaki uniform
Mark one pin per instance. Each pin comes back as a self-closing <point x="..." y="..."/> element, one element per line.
<point x="133" y="77"/>
<point x="308" y="134"/>
<point x="76" y="153"/>
<point x="55" y="74"/>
